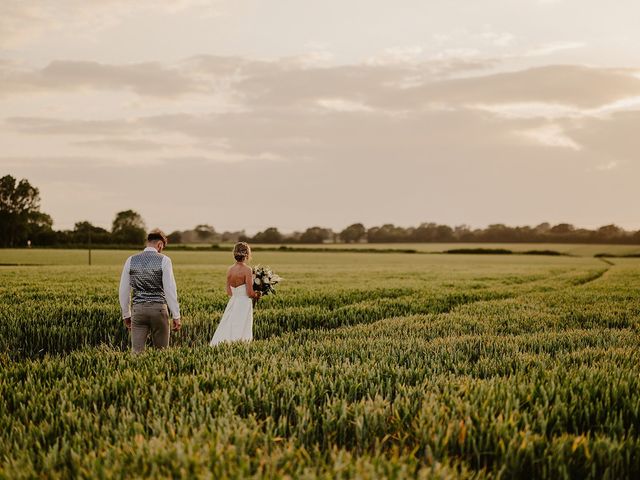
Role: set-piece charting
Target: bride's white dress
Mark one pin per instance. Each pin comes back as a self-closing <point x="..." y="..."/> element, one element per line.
<point x="237" y="320"/>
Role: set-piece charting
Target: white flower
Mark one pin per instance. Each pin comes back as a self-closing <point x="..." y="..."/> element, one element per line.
<point x="257" y="281"/>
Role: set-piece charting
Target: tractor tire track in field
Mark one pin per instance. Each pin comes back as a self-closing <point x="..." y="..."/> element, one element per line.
<point x="592" y="277"/>
<point x="439" y="306"/>
<point x="440" y="316"/>
<point x="604" y="260"/>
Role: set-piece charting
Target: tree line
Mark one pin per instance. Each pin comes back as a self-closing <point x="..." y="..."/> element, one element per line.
<point x="435" y="233"/>
<point x="22" y="223"/>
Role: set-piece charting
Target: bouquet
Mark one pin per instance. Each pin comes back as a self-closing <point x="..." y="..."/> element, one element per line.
<point x="265" y="280"/>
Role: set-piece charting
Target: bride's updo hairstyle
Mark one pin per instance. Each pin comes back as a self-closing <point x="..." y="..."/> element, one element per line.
<point x="242" y="252"/>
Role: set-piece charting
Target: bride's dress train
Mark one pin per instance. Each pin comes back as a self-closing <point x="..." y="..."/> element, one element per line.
<point x="237" y="320"/>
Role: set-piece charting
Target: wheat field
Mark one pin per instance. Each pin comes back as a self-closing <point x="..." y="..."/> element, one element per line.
<point x="364" y="366"/>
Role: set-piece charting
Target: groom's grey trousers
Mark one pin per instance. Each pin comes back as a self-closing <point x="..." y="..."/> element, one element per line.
<point x="149" y="318"/>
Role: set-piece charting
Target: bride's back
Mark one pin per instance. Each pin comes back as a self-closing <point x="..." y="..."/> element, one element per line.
<point x="238" y="274"/>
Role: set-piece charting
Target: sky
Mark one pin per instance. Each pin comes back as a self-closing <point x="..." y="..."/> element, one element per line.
<point x="245" y="114"/>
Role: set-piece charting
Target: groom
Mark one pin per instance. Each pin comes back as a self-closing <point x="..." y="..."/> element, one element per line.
<point x="149" y="275"/>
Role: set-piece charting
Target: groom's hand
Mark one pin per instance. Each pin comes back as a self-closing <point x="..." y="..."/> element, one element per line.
<point x="177" y="324"/>
<point x="127" y="323"/>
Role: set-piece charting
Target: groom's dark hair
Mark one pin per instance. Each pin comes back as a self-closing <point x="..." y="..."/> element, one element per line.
<point x="157" y="235"/>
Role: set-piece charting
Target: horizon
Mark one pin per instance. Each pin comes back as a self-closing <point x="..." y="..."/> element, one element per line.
<point x="245" y="115"/>
<point x="338" y="229"/>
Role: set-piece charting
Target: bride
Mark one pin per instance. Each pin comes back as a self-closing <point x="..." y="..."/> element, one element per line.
<point x="237" y="321"/>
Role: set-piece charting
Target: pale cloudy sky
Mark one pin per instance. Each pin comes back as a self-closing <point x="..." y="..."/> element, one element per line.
<point x="248" y="113"/>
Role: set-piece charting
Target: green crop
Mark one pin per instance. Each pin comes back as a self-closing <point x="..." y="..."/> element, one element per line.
<point x="365" y="366"/>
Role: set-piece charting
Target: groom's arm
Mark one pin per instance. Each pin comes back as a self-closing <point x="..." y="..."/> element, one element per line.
<point x="125" y="290"/>
<point x="170" y="288"/>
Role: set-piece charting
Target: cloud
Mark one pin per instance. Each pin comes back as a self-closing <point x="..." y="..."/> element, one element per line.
<point x="395" y="55"/>
<point x="22" y="21"/>
<point x="607" y="166"/>
<point x="554" y="111"/>
<point x="82" y="162"/>
<point x="551" y="135"/>
<point x="401" y="115"/>
<point x="58" y="126"/>
<point x="342" y="105"/>
<point x="612" y="138"/>
<point x="531" y="110"/>
<point x="344" y="134"/>
<point x="225" y="157"/>
<point x="234" y="76"/>
<point x="499" y="39"/>
<point x="294" y="81"/>
<point x="123" y="144"/>
<point x="145" y="79"/>
<point x="401" y="87"/>
<point x="562" y="84"/>
<point x="550" y="48"/>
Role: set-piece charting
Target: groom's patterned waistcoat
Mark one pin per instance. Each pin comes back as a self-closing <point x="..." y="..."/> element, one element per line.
<point x="146" y="278"/>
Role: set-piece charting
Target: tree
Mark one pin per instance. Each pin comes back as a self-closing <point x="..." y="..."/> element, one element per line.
<point x="82" y="230"/>
<point x="128" y="228"/>
<point x="175" y="237"/>
<point x="353" y="233"/>
<point x="20" y="216"/>
<point x="543" y="228"/>
<point x="316" y="235"/>
<point x="463" y="233"/>
<point x="270" y="235"/>
<point x="609" y="233"/>
<point x="232" y="236"/>
<point x="205" y="233"/>
<point x="497" y="232"/>
<point x="387" y="233"/>
<point x="562" y="229"/>
<point x="426" y="232"/>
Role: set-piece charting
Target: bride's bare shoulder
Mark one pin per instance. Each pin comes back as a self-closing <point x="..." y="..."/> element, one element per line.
<point x="238" y="269"/>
